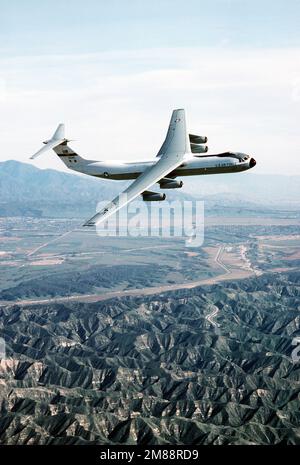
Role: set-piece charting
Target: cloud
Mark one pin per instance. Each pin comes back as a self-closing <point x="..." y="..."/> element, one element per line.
<point x="117" y="104"/>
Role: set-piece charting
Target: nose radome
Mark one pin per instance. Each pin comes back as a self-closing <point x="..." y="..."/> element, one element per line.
<point x="252" y="162"/>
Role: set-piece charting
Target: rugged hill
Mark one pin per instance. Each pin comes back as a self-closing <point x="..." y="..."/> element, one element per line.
<point x="156" y="369"/>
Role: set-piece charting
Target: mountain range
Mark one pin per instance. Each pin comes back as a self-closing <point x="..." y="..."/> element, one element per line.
<point x="27" y="190"/>
<point x="154" y="370"/>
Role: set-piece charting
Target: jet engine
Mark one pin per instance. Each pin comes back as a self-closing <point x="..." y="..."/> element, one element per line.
<point x="195" y="148"/>
<point x="153" y="196"/>
<point x="197" y="139"/>
<point x="170" y="184"/>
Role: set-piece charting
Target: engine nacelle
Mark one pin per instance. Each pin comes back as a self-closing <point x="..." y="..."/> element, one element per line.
<point x="153" y="196"/>
<point x="197" y="139"/>
<point x="172" y="184"/>
<point x="195" y="148"/>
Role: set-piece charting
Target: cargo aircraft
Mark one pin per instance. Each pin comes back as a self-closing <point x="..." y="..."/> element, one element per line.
<point x="181" y="154"/>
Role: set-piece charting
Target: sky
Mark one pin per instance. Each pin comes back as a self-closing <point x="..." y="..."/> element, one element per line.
<point x="113" y="72"/>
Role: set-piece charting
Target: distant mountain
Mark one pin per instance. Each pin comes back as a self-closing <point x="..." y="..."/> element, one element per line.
<point x="258" y="188"/>
<point x="50" y="192"/>
<point x="21" y="181"/>
<point x="29" y="191"/>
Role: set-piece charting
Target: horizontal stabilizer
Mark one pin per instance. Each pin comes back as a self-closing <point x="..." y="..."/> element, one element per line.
<point x="57" y="139"/>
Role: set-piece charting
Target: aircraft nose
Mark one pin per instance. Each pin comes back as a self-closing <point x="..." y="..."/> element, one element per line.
<point x="252" y="162"/>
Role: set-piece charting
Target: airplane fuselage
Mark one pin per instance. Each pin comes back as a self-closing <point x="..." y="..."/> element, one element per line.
<point x="192" y="165"/>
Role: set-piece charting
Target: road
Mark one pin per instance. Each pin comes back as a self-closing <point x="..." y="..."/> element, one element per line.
<point x="212" y="315"/>
<point x="227" y="274"/>
<point x="218" y="260"/>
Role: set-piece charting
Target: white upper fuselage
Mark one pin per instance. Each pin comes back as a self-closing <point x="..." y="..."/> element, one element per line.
<point x="229" y="162"/>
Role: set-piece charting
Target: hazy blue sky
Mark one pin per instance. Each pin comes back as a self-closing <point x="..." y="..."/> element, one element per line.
<point x="113" y="71"/>
<point x="74" y="26"/>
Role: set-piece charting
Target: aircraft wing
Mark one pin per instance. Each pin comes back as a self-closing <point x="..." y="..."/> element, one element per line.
<point x="171" y="155"/>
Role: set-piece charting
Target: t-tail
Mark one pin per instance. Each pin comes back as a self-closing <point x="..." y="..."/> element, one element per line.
<point x="59" y="144"/>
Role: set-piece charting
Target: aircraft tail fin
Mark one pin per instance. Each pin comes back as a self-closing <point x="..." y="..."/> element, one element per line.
<point x="59" y="144"/>
<point x="177" y="139"/>
<point x="59" y="133"/>
<point x="58" y="138"/>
